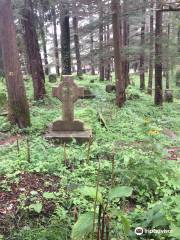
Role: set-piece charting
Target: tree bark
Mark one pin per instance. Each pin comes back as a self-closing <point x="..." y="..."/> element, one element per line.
<point x="101" y="39"/>
<point x="43" y="38"/>
<point x="151" y="43"/>
<point x="179" y="38"/>
<point x="18" y="112"/>
<point x="1" y="62"/>
<point x="142" y="55"/>
<point x="33" y="51"/>
<point x="77" y="46"/>
<point x="108" y="64"/>
<point x="65" y="38"/>
<point x="92" y="53"/>
<point x="126" y="41"/>
<point x="167" y="58"/>
<point x="158" y="58"/>
<point x="55" y="40"/>
<point x="117" y="40"/>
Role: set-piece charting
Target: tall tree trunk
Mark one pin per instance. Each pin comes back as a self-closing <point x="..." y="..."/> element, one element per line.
<point x="43" y="38"/>
<point x="65" y="38"/>
<point x="101" y="48"/>
<point x="77" y="46"/>
<point x="117" y="39"/>
<point x="108" y="64"/>
<point x="179" y="38"/>
<point x="167" y="58"/>
<point x="142" y="57"/>
<point x="17" y="101"/>
<point x="1" y="62"/>
<point x="92" y="53"/>
<point x="151" y="43"/>
<point x="126" y="41"/>
<point x="158" y="57"/>
<point x="178" y="66"/>
<point x="55" y="40"/>
<point x="33" y="51"/>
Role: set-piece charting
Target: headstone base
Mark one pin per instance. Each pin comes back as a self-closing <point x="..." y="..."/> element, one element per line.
<point x="61" y="125"/>
<point x="68" y="136"/>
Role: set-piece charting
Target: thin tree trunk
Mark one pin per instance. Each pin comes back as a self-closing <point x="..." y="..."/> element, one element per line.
<point x="151" y="43"/>
<point x="92" y="53"/>
<point x="1" y="62"/>
<point x="77" y="46"/>
<point x="43" y="38"/>
<point x="142" y="57"/>
<point x="158" y="57"/>
<point x="55" y="40"/>
<point x="108" y="65"/>
<point x="117" y="39"/>
<point x="18" y="106"/>
<point x="167" y="58"/>
<point x="178" y="39"/>
<point x="101" y="39"/>
<point x="126" y="42"/>
<point x="33" y="51"/>
<point x="65" y="38"/>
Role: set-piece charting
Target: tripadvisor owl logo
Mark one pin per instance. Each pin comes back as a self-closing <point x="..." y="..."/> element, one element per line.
<point x="138" y="231"/>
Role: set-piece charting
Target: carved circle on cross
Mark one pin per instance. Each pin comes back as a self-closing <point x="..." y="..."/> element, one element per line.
<point x="68" y="90"/>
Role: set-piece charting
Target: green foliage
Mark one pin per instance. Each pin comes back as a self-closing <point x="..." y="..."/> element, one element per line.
<point x="91" y="192"/>
<point x="3" y="99"/>
<point x="134" y="139"/>
<point x="120" y="192"/>
<point x="83" y="227"/>
<point x="49" y="195"/>
<point x="37" y="207"/>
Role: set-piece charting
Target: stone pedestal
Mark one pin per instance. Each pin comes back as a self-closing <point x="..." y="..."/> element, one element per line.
<point x="68" y="136"/>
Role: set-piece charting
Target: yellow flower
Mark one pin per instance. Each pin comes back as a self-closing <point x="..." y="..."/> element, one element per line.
<point x="153" y="132"/>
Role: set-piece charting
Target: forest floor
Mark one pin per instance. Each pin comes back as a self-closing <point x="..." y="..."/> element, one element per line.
<point x="138" y="147"/>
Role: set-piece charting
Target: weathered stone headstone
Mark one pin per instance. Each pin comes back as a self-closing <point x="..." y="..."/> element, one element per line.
<point x="110" y="88"/>
<point x="52" y="78"/>
<point x="168" y="95"/>
<point x="87" y="94"/>
<point x="68" y="128"/>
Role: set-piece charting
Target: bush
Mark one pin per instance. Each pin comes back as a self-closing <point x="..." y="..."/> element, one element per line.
<point x="3" y="99"/>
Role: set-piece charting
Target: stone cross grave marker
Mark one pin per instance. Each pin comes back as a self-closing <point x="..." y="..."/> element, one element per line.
<point x="68" y="128"/>
<point x="68" y="93"/>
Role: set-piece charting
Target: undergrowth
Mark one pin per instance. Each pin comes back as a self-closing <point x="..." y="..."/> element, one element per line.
<point x="131" y="150"/>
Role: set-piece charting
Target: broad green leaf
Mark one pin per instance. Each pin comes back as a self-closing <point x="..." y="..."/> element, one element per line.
<point x="126" y="224"/>
<point x="49" y="195"/>
<point x="175" y="232"/>
<point x="34" y="193"/>
<point x="91" y="192"/>
<point x="159" y="219"/>
<point x="37" y="207"/>
<point x="83" y="227"/>
<point x="120" y="192"/>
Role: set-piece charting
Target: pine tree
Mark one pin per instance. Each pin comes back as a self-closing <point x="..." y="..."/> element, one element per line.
<point x="18" y="111"/>
<point x="117" y="39"/>
<point x="33" y="51"/>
